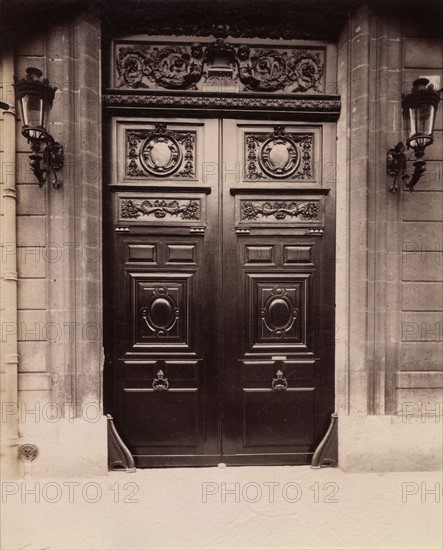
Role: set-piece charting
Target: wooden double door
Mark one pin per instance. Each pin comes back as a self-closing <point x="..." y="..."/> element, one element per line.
<point x="219" y="289"/>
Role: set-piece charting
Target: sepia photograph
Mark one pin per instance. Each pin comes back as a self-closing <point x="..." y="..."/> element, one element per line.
<point x="221" y="274"/>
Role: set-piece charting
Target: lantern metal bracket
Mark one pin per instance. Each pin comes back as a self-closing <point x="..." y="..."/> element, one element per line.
<point x="396" y="166"/>
<point x="52" y="157"/>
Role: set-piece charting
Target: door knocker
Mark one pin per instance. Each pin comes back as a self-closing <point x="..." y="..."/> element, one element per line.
<point x="279" y="383"/>
<point x="160" y="383"/>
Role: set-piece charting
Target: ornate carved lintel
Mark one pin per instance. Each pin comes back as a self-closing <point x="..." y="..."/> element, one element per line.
<point x="119" y="456"/>
<point x="313" y="107"/>
<point x="326" y="454"/>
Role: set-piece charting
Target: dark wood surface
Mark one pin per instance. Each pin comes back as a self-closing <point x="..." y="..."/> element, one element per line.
<point x="220" y="314"/>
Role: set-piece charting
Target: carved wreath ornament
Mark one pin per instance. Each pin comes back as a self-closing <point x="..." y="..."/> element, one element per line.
<point x="173" y="68"/>
<point x="191" y="66"/>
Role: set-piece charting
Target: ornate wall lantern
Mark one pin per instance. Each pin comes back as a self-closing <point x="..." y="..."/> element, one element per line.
<point x="419" y="110"/>
<point x="35" y="98"/>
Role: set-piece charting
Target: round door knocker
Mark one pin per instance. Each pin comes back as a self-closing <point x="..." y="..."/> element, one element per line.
<point x="160" y="383"/>
<point x="279" y="383"/>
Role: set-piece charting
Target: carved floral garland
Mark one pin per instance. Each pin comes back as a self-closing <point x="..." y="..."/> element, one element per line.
<point x="280" y="210"/>
<point x="160" y="208"/>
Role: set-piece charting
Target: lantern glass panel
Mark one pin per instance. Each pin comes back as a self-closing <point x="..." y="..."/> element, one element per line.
<point x="34" y="115"/>
<point x="419" y="125"/>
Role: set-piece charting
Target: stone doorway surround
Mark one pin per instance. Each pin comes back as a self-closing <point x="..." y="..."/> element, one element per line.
<point x="372" y="436"/>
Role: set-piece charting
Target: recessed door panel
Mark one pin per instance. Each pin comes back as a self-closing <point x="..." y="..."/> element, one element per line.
<point x="162" y="419"/>
<point x="277" y="421"/>
<point x="277" y="311"/>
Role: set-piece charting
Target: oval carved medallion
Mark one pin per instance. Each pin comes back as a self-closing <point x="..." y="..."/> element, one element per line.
<point x="160" y="155"/>
<point x="279" y="157"/>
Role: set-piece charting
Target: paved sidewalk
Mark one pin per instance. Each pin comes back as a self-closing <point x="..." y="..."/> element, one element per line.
<point x="205" y="508"/>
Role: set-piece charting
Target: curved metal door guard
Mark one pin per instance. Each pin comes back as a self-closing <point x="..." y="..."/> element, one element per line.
<point x="326" y="454"/>
<point x="119" y="456"/>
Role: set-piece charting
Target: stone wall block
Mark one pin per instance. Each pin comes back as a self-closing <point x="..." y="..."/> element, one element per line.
<point x="420" y="355"/>
<point x="393" y="82"/>
<point x="422" y="326"/>
<point x="423" y="403"/>
<point x="33" y="326"/>
<point x="359" y="51"/>
<point x="32" y="47"/>
<point x="57" y="293"/>
<point x="32" y="261"/>
<point x="419" y="27"/>
<point x="392" y="123"/>
<point x="34" y="382"/>
<point x="55" y="42"/>
<point x="422" y="206"/>
<point x="23" y="171"/>
<point x="89" y="134"/>
<point x="32" y="294"/>
<point x="419" y="296"/>
<point x="422" y="266"/>
<point x="31" y="199"/>
<point x="422" y="236"/>
<point x="394" y="54"/>
<point x="359" y="115"/>
<point x="360" y="79"/>
<point x="359" y="176"/>
<point x="31" y="230"/>
<point x="87" y="39"/>
<point x="423" y="53"/>
<point x="33" y="356"/>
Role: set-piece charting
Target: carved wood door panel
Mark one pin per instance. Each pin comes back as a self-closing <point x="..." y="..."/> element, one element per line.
<point x="278" y="291"/>
<point x="220" y="286"/>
